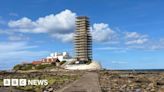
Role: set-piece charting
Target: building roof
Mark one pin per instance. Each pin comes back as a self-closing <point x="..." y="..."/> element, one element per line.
<point x="50" y="60"/>
<point x="36" y="62"/>
<point x="46" y="60"/>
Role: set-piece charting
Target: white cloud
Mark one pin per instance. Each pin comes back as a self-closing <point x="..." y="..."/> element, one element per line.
<point x="64" y="22"/>
<point x="135" y="38"/>
<point x="101" y="32"/>
<point x="12" y="36"/>
<point x="14" y="46"/>
<point x="17" y="52"/>
<point x="60" y="26"/>
<point x="156" y="45"/>
<point x="149" y="46"/>
<point x="131" y="35"/>
<point x="109" y="48"/>
<point x="18" y="37"/>
<point x="119" y="62"/>
<point x="116" y="49"/>
<point x="64" y="37"/>
<point x="24" y="23"/>
<point x="13" y="14"/>
<point x="134" y="35"/>
<point x="2" y="32"/>
<point x="136" y="41"/>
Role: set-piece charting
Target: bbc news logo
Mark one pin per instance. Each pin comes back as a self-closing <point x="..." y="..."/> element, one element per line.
<point x="23" y="82"/>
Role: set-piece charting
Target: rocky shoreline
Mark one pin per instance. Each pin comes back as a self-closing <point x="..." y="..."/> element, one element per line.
<point x="56" y="79"/>
<point x="110" y="81"/>
<point x="131" y="81"/>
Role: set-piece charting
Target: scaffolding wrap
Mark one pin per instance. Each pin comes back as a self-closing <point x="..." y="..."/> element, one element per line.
<point x="83" y="39"/>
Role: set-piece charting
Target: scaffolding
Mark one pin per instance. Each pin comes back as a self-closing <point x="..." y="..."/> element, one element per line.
<point x="83" y="39"/>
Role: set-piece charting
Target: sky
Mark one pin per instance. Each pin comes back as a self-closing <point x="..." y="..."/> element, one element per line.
<point x="127" y="34"/>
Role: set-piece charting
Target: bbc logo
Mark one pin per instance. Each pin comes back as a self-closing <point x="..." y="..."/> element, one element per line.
<point x="14" y="82"/>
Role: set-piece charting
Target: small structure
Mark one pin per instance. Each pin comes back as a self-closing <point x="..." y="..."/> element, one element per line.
<point x="54" y="61"/>
<point x="54" y="58"/>
<point x="37" y="62"/>
<point x="60" y="56"/>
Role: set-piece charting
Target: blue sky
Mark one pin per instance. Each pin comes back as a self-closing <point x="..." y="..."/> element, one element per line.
<point x="127" y="34"/>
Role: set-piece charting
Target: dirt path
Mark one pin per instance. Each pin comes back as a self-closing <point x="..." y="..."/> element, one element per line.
<point x="87" y="83"/>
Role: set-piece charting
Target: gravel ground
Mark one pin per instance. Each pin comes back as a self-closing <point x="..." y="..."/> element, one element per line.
<point x="57" y="79"/>
<point x="126" y="81"/>
<point x="110" y="81"/>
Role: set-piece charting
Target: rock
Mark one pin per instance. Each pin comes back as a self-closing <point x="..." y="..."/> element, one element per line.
<point x="160" y="81"/>
<point x="125" y="81"/>
<point x="161" y="89"/>
<point x="152" y="90"/>
<point x="50" y="89"/>
<point x="138" y="90"/>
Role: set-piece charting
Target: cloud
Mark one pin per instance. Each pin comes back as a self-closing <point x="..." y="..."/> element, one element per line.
<point x="136" y="41"/>
<point x="101" y="32"/>
<point x="22" y="24"/>
<point x="132" y="35"/>
<point x="109" y="48"/>
<point x="13" y="14"/>
<point x="2" y="32"/>
<point x="152" y="46"/>
<point x="14" y="46"/>
<point x="10" y="50"/>
<point x="135" y="38"/>
<point x="115" y="49"/>
<point x="64" y="37"/>
<point x="12" y="36"/>
<point x="156" y="45"/>
<point x="18" y="37"/>
<point x="118" y="62"/>
<point x="12" y="53"/>
<point x="149" y="46"/>
<point x="60" y="26"/>
<point x="64" y="22"/>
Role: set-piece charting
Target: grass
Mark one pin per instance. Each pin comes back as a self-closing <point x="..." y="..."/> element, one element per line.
<point x="26" y="67"/>
<point x="54" y="79"/>
<point x="51" y="81"/>
<point x="1" y="82"/>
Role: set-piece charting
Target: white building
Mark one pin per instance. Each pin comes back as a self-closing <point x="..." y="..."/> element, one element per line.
<point x="61" y="56"/>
